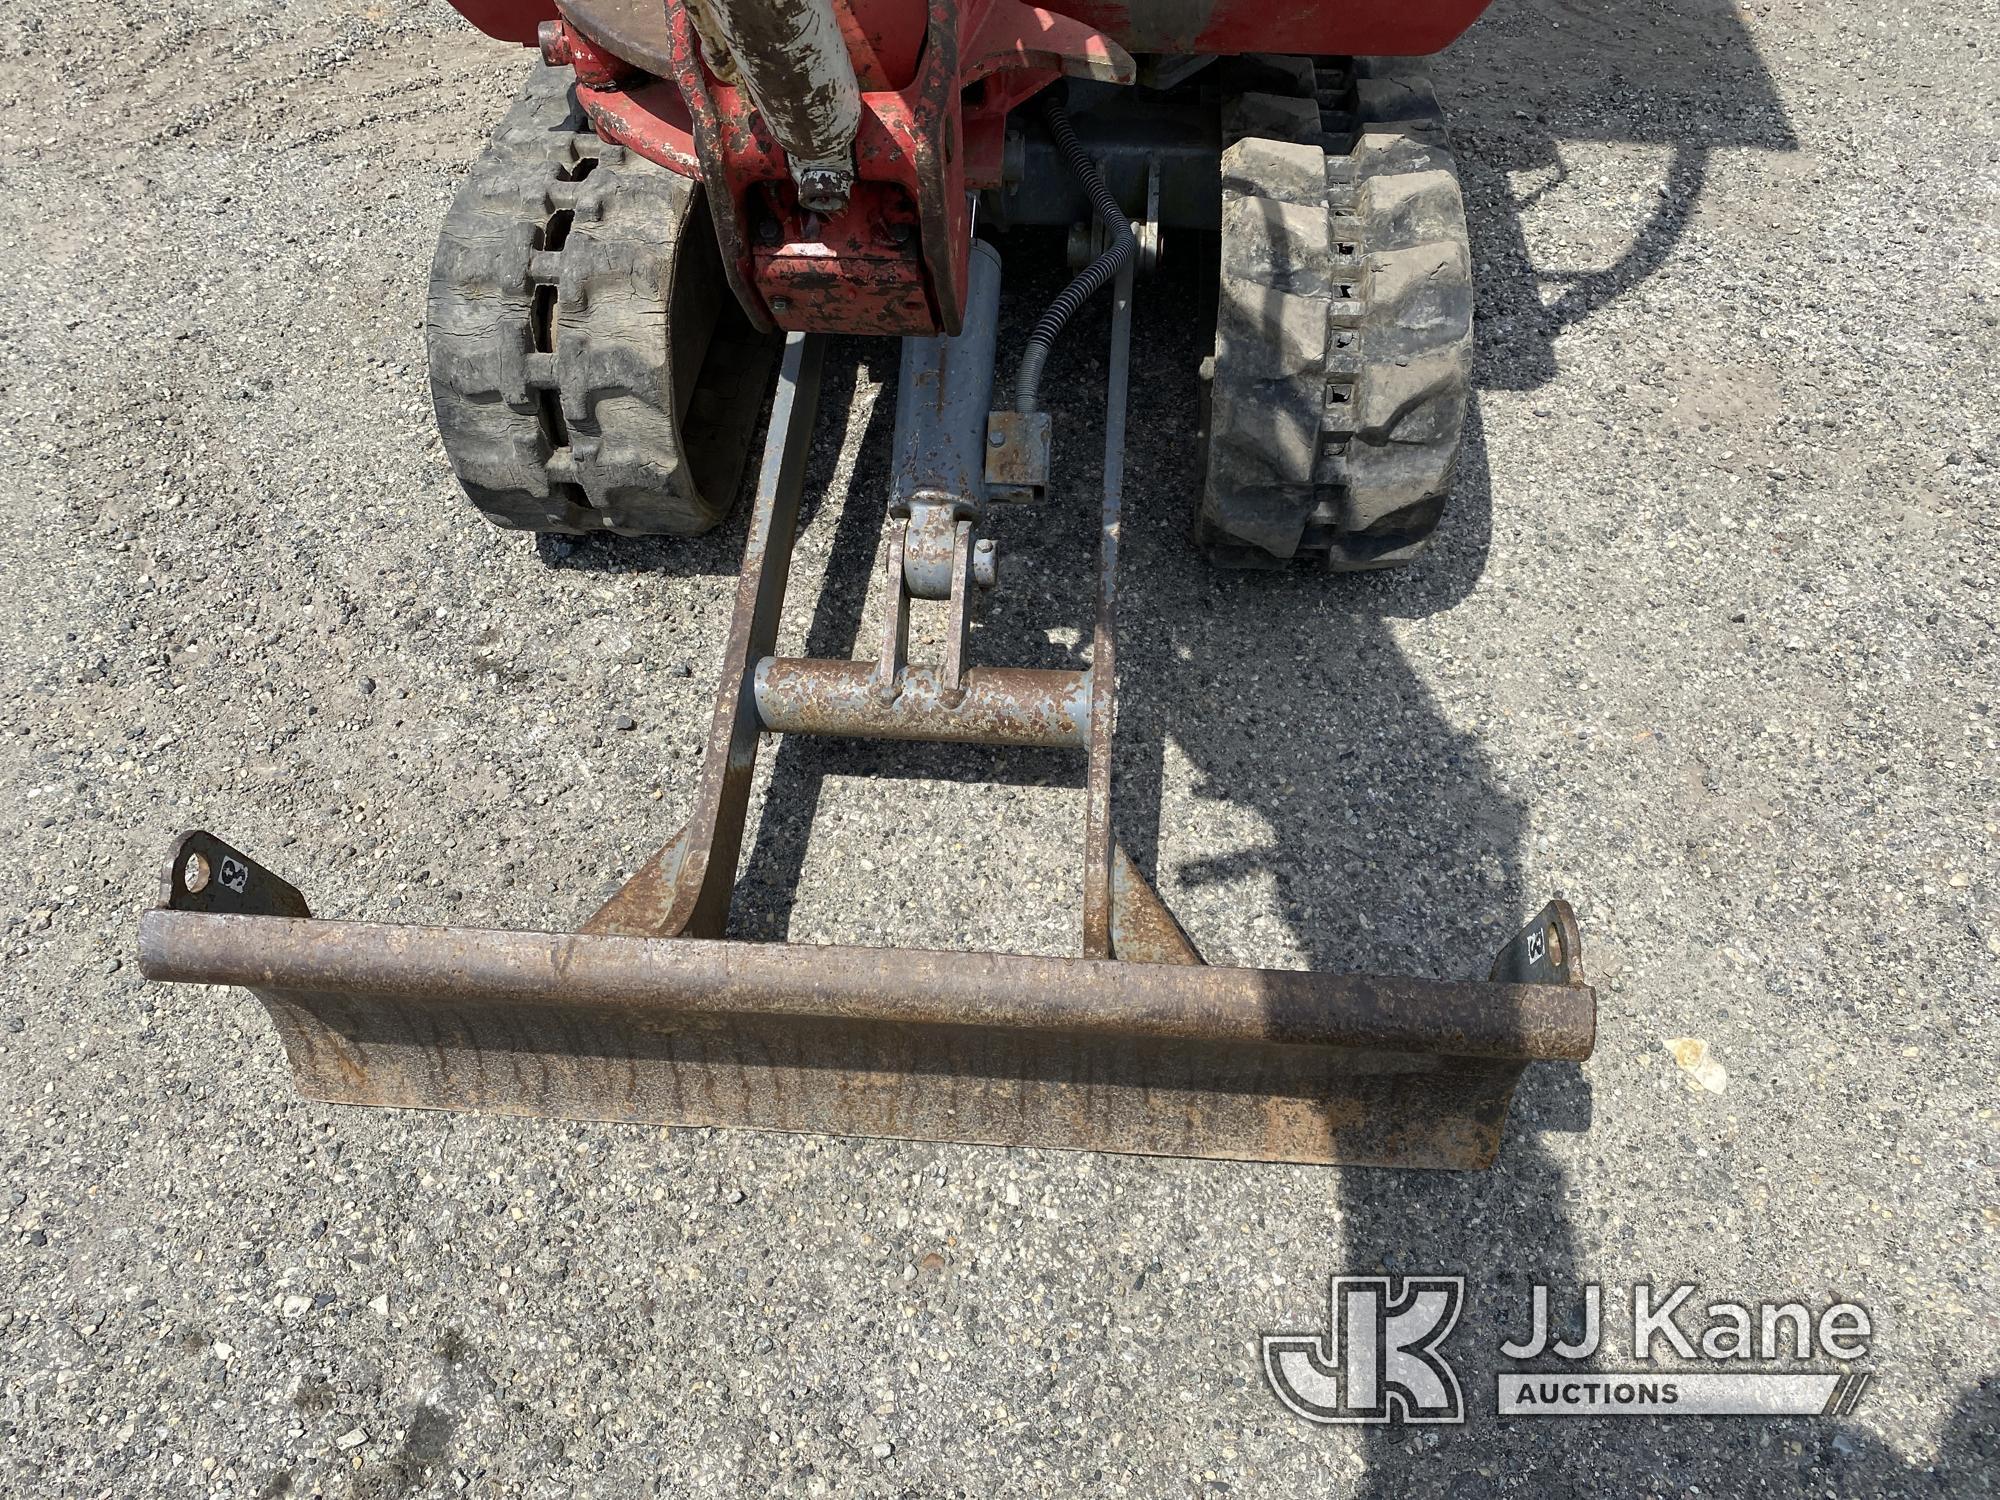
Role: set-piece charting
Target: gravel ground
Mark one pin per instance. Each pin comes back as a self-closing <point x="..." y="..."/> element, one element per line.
<point x="1707" y="647"/>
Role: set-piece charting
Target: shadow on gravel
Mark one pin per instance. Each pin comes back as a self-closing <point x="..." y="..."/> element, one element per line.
<point x="718" y="553"/>
<point x="1409" y="857"/>
<point x="1387" y="845"/>
<point x="1682" y="76"/>
<point x="1967" y="1463"/>
<point x="768" y="884"/>
<point x="1386" y="842"/>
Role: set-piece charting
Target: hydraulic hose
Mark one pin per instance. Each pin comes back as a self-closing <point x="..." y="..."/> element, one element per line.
<point x="1028" y="378"/>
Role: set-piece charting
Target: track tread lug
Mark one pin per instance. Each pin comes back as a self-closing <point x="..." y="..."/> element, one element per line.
<point x="1339" y="448"/>
<point x="553" y="354"/>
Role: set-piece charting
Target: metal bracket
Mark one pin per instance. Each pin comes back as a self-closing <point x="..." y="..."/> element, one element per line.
<point x="204" y="874"/>
<point x="1098" y="934"/>
<point x="1135" y="1046"/>
<point x="1017" y="455"/>
<point x="1147" y="230"/>
<point x="1549" y="950"/>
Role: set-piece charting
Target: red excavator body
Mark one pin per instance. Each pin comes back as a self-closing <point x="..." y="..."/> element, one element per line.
<point x="932" y="84"/>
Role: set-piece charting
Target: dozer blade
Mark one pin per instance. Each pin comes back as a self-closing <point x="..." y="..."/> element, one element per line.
<point x="649" y="1014"/>
<point x="1164" y="1058"/>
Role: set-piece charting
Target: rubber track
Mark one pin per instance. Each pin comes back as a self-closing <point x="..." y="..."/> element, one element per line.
<point x="1337" y="392"/>
<point x="589" y="369"/>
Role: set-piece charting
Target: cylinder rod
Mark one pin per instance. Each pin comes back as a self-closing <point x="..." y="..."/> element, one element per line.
<point x="792" y="57"/>
<point x="944" y="390"/>
<point x="998" y="705"/>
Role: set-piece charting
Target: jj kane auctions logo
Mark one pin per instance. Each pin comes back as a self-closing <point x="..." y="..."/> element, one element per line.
<point x="1381" y="1357"/>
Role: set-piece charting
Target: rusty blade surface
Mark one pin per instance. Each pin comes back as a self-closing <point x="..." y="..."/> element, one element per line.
<point x="1166" y="1058"/>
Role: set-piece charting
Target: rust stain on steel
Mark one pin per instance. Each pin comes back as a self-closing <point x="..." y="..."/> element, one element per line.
<point x="1156" y="1058"/>
<point x="1097" y="834"/>
<point x="792" y="57"/>
<point x="1143" y="930"/>
<point x="999" y="706"/>
<point x="1017" y="453"/>
<point x="709" y="133"/>
<point x="649" y="890"/>
<point x="695" y="902"/>
<point x="930" y="143"/>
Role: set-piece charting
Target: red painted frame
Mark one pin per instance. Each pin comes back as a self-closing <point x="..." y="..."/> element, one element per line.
<point x="1374" y="28"/>
<point x="938" y="78"/>
<point x="895" y="260"/>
